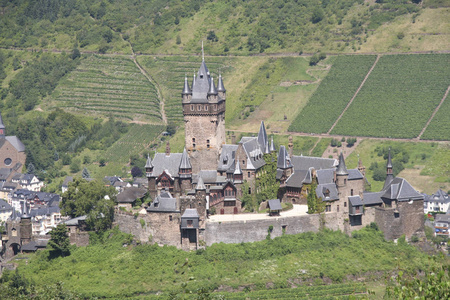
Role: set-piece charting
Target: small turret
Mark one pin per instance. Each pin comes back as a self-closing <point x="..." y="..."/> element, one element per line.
<point x="237" y="174"/>
<point x="272" y="146"/>
<point x="187" y="93"/>
<point x="389" y="171"/>
<point x="167" y="148"/>
<point x="212" y="87"/>
<point x="185" y="169"/>
<point x="200" y="185"/>
<point x="341" y="173"/>
<point x="221" y="88"/>
<point x="148" y="166"/>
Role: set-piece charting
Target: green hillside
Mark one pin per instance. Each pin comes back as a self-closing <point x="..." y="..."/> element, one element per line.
<point x="103" y="85"/>
<point x="234" y="26"/>
<point x="108" y="269"/>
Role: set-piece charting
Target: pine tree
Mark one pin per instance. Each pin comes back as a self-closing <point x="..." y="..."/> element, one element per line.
<point x="31" y="169"/>
<point x="85" y="173"/>
<point x="59" y="242"/>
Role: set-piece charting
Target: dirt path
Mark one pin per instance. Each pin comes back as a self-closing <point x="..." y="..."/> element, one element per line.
<point x="435" y="111"/>
<point x="356" y="93"/>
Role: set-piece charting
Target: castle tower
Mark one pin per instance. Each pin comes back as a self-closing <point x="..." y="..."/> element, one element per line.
<point x="262" y="138"/>
<point x="204" y="112"/>
<point x="185" y="172"/>
<point x="151" y="179"/>
<point x="389" y="172"/>
<point x="25" y="226"/>
<point x="341" y="174"/>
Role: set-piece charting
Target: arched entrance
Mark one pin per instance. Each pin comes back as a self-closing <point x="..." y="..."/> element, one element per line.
<point x="15" y="248"/>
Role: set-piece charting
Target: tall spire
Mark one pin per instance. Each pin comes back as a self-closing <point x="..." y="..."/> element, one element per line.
<point x="203" y="53"/>
<point x="389" y="162"/>
<point x="389" y="171"/>
<point x="272" y="146"/>
<point x="262" y="137"/>
<point x="25" y="214"/>
<point x="341" y="169"/>
<point x="148" y="164"/>
<point x="185" y="162"/>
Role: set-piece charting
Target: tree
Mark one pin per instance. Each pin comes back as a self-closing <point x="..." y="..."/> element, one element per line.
<point x="317" y="15"/>
<point x="75" y="53"/>
<point x="266" y="184"/>
<point x="212" y="36"/>
<point x="136" y="172"/>
<point x="59" y="243"/>
<point x="315" y="205"/>
<point x="75" y="165"/>
<point x="89" y="198"/>
<point x="85" y="174"/>
<point x="31" y="169"/>
<point x="102" y="162"/>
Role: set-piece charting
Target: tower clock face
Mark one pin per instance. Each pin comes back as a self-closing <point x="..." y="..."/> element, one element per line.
<point x="8" y="161"/>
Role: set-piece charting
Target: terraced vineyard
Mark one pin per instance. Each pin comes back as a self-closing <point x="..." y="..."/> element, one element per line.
<point x="333" y="94"/>
<point x="169" y="71"/>
<point x="138" y="139"/>
<point x="399" y="97"/>
<point x="103" y="85"/>
<point x="333" y="291"/>
<point x="439" y="127"/>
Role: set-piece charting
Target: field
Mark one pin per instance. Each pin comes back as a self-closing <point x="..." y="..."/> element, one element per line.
<point x="398" y="98"/>
<point x="333" y="94"/>
<point x="104" y="85"/>
<point x="439" y="127"/>
<point x="169" y="72"/>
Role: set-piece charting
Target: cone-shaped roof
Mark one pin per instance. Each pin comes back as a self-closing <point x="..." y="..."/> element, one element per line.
<point x="272" y="146"/>
<point x="283" y="158"/>
<point x="262" y="136"/>
<point x="186" y="88"/>
<point x="148" y="164"/>
<point x="200" y="184"/>
<point x="389" y="161"/>
<point x="185" y="161"/>
<point x="220" y="86"/>
<point x="212" y="87"/>
<point x="193" y="81"/>
<point x="341" y="169"/>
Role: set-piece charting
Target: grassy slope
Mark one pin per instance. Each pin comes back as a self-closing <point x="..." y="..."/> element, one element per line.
<point x="112" y="270"/>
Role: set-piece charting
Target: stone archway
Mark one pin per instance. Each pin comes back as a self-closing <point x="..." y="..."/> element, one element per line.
<point x="14" y="248"/>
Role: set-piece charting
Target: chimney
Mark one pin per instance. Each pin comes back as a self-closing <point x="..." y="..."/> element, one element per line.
<point x="168" y="149"/>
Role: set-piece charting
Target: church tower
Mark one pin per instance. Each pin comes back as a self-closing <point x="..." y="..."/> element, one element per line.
<point x="204" y="112"/>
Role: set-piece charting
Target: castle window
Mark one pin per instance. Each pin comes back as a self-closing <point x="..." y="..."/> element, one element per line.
<point x="338" y="208"/>
<point x="189" y="223"/>
<point x="170" y="218"/>
<point x="193" y="140"/>
<point x="192" y="107"/>
<point x="249" y="190"/>
<point x="199" y="107"/>
<point x="193" y="146"/>
<point x="8" y="161"/>
<point x="206" y="107"/>
<point x="351" y="192"/>
<point x="328" y="208"/>
<point x="207" y="144"/>
<point x="345" y="204"/>
<point x="248" y="174"/>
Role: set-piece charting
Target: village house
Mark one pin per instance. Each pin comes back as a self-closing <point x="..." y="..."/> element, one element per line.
<point x="437" y="202"/>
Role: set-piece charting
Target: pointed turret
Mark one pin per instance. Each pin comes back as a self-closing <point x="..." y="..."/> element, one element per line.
<point x="220" y="86"/>
<point x="185" y="161"/>
<point x="148" y="166"/>
<point x="212" y="87"/>
<point x="283" y="161"/>
<point x="2" y="128"/>
<point x="237" y="169"/>
<point x="272" y="146"/>
<point x="389" y="171"/>
<point x="200" y="185"/>
<point x="262" y="137"/>
<point x="186" y="88"/>
<point x="25" y="214"/>
<point x="341" y="169"/>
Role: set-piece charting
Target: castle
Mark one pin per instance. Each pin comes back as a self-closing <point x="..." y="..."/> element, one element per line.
<point x="209" y="175"/>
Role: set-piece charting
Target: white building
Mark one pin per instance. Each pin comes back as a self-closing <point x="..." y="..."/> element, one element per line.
<point x="438" y="202"/>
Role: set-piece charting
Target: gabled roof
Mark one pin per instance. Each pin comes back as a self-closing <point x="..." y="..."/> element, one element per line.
<point x="318" y="163"/>
<point x="130" y="194"/>
<point x="341" y="169"/>
<point x="444" y="218"/>
<point x="297" y="179"/>
<point x="325" y="176"/>
<point x="439" y="196"/>
<point x="34" y="245"/>
<point x="190" y="213"/>
<point x="170" y="163"/>
<point x="4" y="206"/>
<point x="274" y="204"/>
<point x="226" y="158"/>
<point x="4" y="173"/>
<point x="355" y="201"/>
<point x="354" y="174"/>
<point x="75" y="221"/>
<point x="331" y="187"/>
<point x="164" y="203"/>
<point x="208" y="176"/>
<point x="372" y="198"/>
<point x="14" y="140"/>
<point x="253" y="152"/>
<point x="400" y="189"/>
<point x="44" y="211"/>
<point x="237" y="169"/>
<point x="262" y="138"/>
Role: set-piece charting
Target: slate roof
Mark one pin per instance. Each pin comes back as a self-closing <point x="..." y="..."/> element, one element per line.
<point x="283" y="159"/>
<point x="297" y="179"/>
<point x="200" y="87"/>
<point x="354" y="174"/>
<point x="355" y="201"/>
<point x="325" y="176"/>
<point x="274" y="204"/>
<point x="169" y="163"/>
<point x="186" y="88"/>
<point x="148" y="163"/>
<point x="130" y="194"/>
<point x="75" y="221"/>
<point x="439" y="196"/>
<point x="220" y="86"/>
<point x="262" y="137"/>
<point x="200" y="184"/>
<point x="401" y="190"/>
<point x="321" y="188"/>
<point x="67" y="180"/>
<point x="254" y="153"/>
<point x="4" y="173"/>
<point x="165" y="203"/>
<point x="372" y="198"/>
<point x="44" y="211"/>
<point x="190" y="213"/>
<point x="185" y="162"/>
<point x="208" y="177"/>
<point x="226" y="158"/>
<point x="113" y="179"/>
<point x="14" y="140"/>
<point x="318" y="163"/>
<point x="442" y="218"/>
<point x="35" y="245"/>
<point x="4" y="206"/>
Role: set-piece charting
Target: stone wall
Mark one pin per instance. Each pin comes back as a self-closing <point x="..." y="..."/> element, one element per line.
<point x="256" y="230"/>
